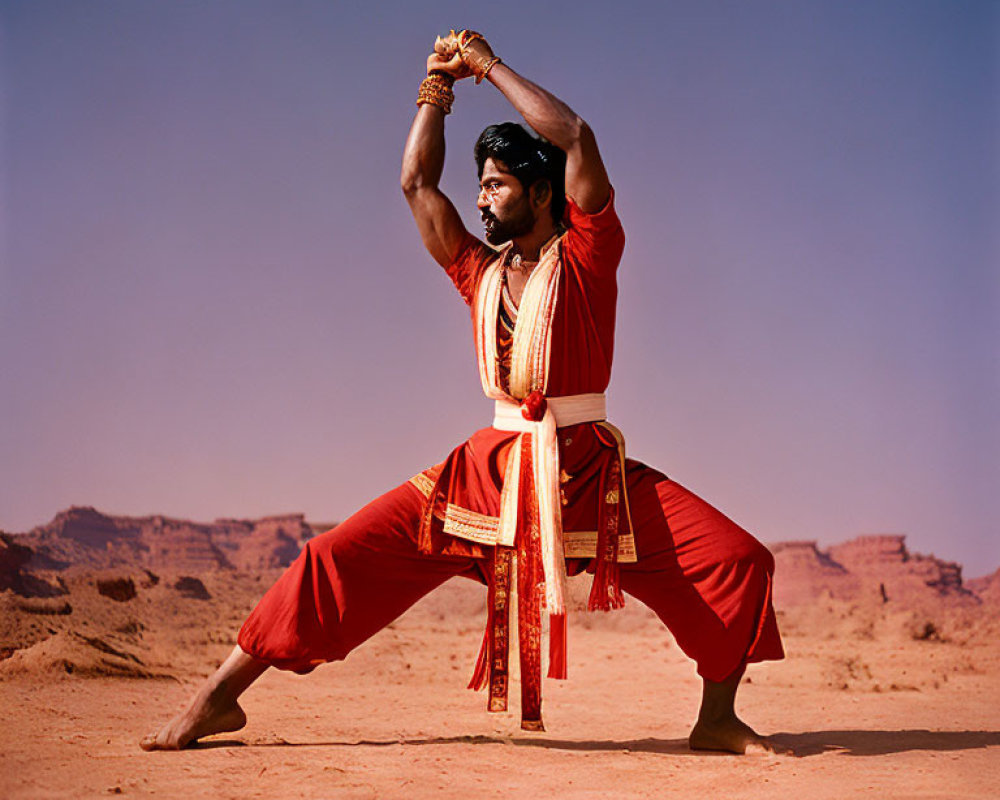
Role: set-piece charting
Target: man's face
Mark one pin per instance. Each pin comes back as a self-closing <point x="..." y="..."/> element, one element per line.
<point x="503" y="204"/>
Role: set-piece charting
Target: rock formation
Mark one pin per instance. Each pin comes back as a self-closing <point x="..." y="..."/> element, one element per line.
<point x="986" y="588"/>
<point x="803" y="572"/>
<point x="14" y="575"/>
<point x="876" y="568"/>
<point x="84" y="537"/>
<point x="884" y="559"/>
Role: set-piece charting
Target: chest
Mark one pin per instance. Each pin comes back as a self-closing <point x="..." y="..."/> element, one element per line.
<point x="516" y="281"/>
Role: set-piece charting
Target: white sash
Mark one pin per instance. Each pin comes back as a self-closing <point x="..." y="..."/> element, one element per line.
<point x="569" y="410"/>
<point x="529" y="372"/>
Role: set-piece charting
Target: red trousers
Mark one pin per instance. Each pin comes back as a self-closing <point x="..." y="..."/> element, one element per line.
<point x="703" y="575"/>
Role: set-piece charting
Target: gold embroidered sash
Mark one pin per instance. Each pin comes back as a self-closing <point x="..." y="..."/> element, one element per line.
<point x="529" y="529"/>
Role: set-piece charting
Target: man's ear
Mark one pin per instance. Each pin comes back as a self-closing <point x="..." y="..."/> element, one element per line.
<point x="541" y="194"/>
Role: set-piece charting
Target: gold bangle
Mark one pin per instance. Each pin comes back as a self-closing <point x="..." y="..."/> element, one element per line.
<point x="436" y="90"/>
<point x="486" y="70"/>
<point x="465" y="38"/>
<point x="478" y="62"/>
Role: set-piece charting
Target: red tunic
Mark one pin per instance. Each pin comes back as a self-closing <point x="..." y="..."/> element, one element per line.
<point x="582" y="347"/>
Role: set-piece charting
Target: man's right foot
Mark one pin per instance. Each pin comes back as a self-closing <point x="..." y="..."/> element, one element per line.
<point x="203" y="718"/>
<point x="732" y="735"/>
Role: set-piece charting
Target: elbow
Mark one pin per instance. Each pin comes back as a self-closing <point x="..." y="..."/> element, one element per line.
<point x="573" y="133"/>
<point x="582" y="133"/>
<point x="408" y="183"/>
<point x="411" y="181"/>
<point x="409" y="175"/>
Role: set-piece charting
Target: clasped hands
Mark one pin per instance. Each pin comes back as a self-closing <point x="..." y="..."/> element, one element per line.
<point x="461" y="55"/>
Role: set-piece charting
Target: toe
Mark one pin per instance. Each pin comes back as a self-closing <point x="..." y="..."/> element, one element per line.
<point x="761" y="745"/>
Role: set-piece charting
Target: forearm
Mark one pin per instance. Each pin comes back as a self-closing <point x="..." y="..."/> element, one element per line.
<point x="547" y="115"/>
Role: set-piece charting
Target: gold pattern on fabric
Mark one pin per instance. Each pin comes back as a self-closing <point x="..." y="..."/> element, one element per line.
<point x="484" y="529"/>
<point x="580" y="544"/>
<point x="471" y="525"/>
<point x="626" y="538"/>
<point x="423" y="483"/>
<point x="499" y="591"/>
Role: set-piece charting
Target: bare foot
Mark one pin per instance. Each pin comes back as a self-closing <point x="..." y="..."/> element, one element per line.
<point x="205" y="716"/>
<point x="731" y="735"/>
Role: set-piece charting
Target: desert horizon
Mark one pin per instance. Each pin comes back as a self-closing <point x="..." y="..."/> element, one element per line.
<point x="293" y="526"/>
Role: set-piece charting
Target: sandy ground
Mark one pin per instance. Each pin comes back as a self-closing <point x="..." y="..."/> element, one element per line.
<point x="876" y="717"/>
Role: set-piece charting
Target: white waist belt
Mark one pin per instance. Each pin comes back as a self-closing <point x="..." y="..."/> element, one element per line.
<point x="569" y="410"/>
<point x="544" y="464"/>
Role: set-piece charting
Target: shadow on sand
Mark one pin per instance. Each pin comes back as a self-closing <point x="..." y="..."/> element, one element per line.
<point x="880" y="743"/>
<point x="851" y="743"/>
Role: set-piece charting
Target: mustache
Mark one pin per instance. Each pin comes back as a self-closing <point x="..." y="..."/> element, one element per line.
<point x="487" y="216"/>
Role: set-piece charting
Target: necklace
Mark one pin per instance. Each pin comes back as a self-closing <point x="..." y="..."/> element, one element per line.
<point x="518" y="264"/>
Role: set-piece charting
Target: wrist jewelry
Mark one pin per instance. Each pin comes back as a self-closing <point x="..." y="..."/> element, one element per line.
<point x="465" y="38"/>
<point x="479" y="59"/>
<point x="436" y="90"/>
<point x="486" y="70"/>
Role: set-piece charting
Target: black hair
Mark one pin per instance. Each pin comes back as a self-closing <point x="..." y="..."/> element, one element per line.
<point x="527" y="158"/>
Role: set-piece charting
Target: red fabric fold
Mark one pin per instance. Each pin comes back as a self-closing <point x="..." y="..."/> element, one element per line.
<point x="557" y="646"/>
<point x="481" y="673"/>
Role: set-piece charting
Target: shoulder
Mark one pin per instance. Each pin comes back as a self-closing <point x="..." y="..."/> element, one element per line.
<point x="604" y="218"/>
<point x="596" y="240"/>
<point x="468" y="263"/>
<point x="472" y="251"/>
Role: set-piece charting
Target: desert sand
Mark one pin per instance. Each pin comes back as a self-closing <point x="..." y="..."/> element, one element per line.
<point x="890" y="686"/>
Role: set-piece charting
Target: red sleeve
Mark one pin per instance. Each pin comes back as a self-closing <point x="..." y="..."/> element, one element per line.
<point x="597" y="240"/>
<point x="467" y="265"/>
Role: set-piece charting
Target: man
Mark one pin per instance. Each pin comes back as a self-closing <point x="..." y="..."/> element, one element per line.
<point x="547" y="489"/>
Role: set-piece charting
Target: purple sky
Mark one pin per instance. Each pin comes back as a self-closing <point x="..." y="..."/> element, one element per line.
<point x="213" y="300"/>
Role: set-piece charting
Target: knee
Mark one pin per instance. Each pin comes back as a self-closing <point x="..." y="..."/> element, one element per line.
<point x="331" y="543"/>
<point x="752" y="556"/>
<point x="763" y="558"/>
<point x="312" y="550"/>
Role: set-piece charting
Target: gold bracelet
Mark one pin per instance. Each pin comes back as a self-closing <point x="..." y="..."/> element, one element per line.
<point x="479" y="62"/>
<point x="436" y="90"/>
<point x="486" y="69"/>
<point x="466" y="37"/>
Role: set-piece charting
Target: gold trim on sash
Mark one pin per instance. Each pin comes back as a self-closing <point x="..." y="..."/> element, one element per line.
<point x="484" y="529"/>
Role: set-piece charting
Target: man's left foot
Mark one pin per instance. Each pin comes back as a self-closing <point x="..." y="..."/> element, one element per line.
<point x="730" y="735"/>
<point x="206" y="716"/>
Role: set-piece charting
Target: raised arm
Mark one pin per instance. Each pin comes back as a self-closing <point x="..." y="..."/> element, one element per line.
<point x="438" y="221"/>
<point x="586" y="178"/>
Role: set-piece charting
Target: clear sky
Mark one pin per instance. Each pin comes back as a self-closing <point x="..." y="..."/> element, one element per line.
<point x="213" y="300"/>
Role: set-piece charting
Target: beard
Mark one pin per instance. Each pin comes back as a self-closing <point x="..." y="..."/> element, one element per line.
<point x="518" y="222"/>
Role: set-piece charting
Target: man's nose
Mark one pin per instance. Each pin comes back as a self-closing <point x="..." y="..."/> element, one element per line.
<point x="482" y="201"/>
